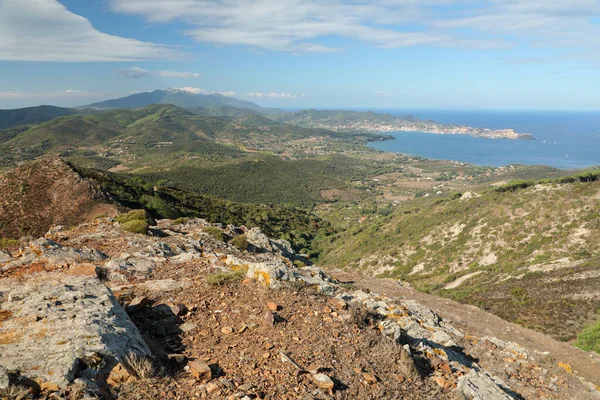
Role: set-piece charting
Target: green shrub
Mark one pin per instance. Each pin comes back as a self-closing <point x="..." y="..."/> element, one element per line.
<point x="215" y="232"/>
<point x="135" y="215"/>
<point x="240" y="242"/>
<point x="180" y="221"/>
<point x="223" y="278"/>
<point x="6" y="243"/>
<point x="589" y="339"/>
<point x="135" y="226"/>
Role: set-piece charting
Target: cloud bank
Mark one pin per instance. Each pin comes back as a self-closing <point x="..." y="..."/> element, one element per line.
<point x="44" y="30"/>
<point x="300" y="25"/>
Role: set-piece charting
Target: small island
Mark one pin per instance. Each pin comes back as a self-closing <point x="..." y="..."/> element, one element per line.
<point x="370" y="122"/>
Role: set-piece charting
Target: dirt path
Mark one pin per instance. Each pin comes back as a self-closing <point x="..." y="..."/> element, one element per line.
<point x="477" y="322"/>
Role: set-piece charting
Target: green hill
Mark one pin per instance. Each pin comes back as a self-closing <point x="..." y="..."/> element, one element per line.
<point x="31" y="115"/>
<point x="526" y="251"/>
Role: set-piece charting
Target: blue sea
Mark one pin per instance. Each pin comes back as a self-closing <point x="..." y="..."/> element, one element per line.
<point x="563" y="139"/>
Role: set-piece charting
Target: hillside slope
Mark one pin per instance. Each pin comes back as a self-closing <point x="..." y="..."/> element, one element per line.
<point x="528" y="255"/>
<point x="31" y="115"/>
<point x="51" y="192"/>
<point x="40" y="195"/>
<point x="180" y="314"/>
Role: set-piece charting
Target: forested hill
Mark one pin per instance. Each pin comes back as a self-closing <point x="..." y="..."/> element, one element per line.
<point x="31" y="115"/>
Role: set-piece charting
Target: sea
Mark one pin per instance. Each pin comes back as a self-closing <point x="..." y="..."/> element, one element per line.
<point x="563" y="139"/>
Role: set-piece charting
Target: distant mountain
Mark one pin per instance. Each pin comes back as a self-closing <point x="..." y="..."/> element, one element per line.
<point x="31" y="115"/>
<point x="160" y="129"/>
<point x="180" y="98"/>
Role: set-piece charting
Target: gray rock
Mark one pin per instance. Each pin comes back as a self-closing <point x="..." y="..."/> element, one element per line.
<point x="478" y="385"/>
<point x="188" y="327"/>
<point x="4" y="382"/>
<point x="117" y="264"/>
<point x="75" y="327"/>
<point x="259" y="240"/>
<point x="5" y="257"/>
<point x="163" y="285"/>
<point x="142" y="265"/>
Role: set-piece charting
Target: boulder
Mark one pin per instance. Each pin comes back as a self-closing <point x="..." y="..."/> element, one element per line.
<point x="479" y="385"/>
<point x="62" y="326"/>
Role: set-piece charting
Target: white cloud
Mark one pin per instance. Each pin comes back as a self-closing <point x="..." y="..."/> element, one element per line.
<point x="274" y="95"/>
<point x="44" y="30"/>
<point x="195" y="90"/>
<point x="298" y="25"/>
<point x="137" y="73"/>
<point x="382" y="92"/>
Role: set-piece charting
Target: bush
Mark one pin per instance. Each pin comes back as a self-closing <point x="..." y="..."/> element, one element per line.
<point x="135" y="226"/>
<point x="223" y="278"/>
<point x="180" y="221"/>
<point x="240" y="242"/>
<point x="589" y="339"/>
<point x="6" y="243"/>
<point x="135" y="215"/>
<point x="215" y="232"/>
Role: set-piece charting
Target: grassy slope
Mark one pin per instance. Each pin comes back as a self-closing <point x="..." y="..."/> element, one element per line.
<point x="514" y="238"/>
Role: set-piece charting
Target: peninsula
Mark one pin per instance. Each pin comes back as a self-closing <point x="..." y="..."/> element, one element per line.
<point x="354" y="121"/>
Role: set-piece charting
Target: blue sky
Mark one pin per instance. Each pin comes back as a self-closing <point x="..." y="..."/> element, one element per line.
<point x="484" y="54"/>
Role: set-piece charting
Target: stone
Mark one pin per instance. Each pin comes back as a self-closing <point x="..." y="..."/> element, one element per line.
<point x="243" y="328"/>
<point x="200" y="371"/>
<point x="227" y="383"/>
<point x="49" y="387"/>
<point x="323" y="381"/>
<point x="137" y="304"/>
<point x="178" y="309"/>
<point x="188" y="327"/>
<point x="479" y="385"/>
<point x="212" y="387"/>
<point x="119" y="375"/>
<point x="5" y="257"/>
<point x="339" y="304"/>
<point x="440" y="381"/>
<point x="4" y="381"/>
<point x="227" y="330"/>
<point x="272" y="306"/>
<point x="369" y="378"/>
<point x="246" y="387"/>
<point x="269" y="319"/>
<point x="83" y="320"/>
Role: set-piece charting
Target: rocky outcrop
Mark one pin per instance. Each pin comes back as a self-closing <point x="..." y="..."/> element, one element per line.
<point x="63" y="325"/>
<point x="60" y="322"/>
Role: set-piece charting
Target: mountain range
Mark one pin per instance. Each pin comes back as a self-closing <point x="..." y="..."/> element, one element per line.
<point x="180" y="98"/>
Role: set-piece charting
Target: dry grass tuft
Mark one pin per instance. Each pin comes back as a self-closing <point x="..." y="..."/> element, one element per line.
<point x="142" y="367"/>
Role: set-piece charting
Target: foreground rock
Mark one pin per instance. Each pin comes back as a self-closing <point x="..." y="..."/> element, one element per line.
<point x="63" y="325"/>
<point x="226" y="317"/>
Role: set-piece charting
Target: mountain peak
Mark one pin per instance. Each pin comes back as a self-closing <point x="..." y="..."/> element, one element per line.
<point x="179" y="97"/>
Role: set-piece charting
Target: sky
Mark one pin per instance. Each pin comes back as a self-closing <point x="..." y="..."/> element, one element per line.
<point x="409" y="54"/>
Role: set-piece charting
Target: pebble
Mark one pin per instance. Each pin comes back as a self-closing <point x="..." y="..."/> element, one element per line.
<point x="323" y="381"/>
<point x="200" y="371"/>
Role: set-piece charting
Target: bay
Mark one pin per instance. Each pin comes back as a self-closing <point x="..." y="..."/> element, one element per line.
<point x="563" y="139"/>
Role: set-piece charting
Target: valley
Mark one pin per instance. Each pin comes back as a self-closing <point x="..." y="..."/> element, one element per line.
<point x="519" y="242"/>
